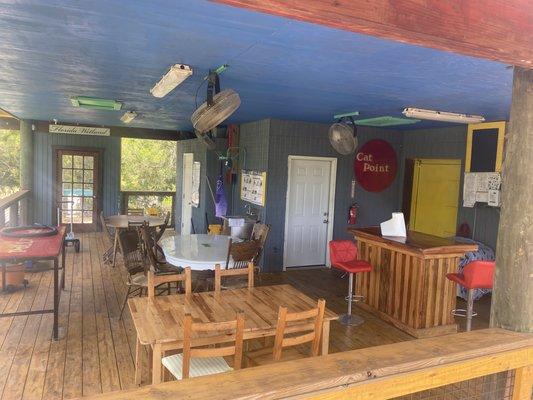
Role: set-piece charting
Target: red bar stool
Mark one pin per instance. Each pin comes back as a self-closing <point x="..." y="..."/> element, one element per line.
<point x="475" y="275"/>
<point x="343" y="256"/>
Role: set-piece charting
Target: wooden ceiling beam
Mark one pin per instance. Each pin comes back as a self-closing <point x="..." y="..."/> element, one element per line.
<point x="498" y="30"/>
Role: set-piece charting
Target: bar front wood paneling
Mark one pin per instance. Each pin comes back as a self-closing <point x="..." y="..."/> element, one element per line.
<point x="407" y="285"/>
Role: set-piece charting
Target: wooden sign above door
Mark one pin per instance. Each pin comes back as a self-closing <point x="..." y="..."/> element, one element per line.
<point x="79" y="130"/>
<point x="375" y="165"/>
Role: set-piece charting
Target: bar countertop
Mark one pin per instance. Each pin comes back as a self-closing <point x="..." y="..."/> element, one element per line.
<point x="415" y="242"/>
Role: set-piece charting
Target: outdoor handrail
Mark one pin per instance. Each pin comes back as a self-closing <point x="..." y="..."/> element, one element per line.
<point x="13" y="198"/>
<point x="13" y="203"/>
<point x="380" y="372"/>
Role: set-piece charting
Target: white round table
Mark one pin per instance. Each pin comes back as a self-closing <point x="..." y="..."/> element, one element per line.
<point x="200" y="252"/>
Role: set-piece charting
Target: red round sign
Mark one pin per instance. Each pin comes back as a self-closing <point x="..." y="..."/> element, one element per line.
<point x="375" y="165"/>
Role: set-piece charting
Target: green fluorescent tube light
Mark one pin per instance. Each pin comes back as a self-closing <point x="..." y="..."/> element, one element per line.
<point x="386" y="121"/>
<point x="95" y="103"/>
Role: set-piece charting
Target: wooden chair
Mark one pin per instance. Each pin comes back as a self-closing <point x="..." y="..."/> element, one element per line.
<point x="110" y="239"/>
<point x="200" y="361"/>
<point x="155" y="280"/>
<point x="260" y="234"/>
<point x="135" y="211"/>
<point x="159" y="234"/>
<point x="219" y="273"/>
<point x="242" y="253"/>
<point x="301" y="327"/>
<point x="134" y="264"/>
<point x="160" y="272"/>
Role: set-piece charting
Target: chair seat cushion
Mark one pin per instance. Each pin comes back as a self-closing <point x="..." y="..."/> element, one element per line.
<point x="460" y="280"/>
<point x="353" y="266"/>
<point x="199" y="366"/>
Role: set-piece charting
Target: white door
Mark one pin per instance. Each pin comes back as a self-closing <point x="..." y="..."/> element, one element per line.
<point x="307" y="225"/>
<point x="186" y="193"/>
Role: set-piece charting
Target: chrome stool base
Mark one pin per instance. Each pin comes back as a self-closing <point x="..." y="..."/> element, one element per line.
<point x="351" y="320"/>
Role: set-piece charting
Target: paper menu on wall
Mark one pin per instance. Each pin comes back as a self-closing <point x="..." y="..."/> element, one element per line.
<point x="253" y="187"/>
<point x="476" y="187"/>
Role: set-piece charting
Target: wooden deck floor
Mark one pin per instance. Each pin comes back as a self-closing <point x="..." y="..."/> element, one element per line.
<point x="95" y="351"/>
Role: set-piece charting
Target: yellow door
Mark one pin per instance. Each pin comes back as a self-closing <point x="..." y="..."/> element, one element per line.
<point x="435" y="196"/>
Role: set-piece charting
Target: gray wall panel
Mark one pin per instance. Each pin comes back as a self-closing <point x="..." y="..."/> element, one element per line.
<point x="311" y="139"/>
<point x="44" y="169"/>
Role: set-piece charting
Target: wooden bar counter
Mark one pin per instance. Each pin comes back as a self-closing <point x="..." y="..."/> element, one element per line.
<point x="407" y="285"/>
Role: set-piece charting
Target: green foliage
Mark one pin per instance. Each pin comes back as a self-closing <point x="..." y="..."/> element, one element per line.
<point x="9" y="162"/>
<point x="148" y="165"/>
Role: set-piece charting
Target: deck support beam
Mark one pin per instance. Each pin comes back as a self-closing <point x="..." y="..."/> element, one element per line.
<point x="26" y="169"/>
<point x="512" y="305"/>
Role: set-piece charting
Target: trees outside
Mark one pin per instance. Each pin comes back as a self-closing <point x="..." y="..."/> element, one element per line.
<point x="9" y="162"/>
<point x="149" y="165"/>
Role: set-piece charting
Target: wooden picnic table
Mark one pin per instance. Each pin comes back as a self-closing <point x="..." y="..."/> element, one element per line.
<point x="159" y="320"/>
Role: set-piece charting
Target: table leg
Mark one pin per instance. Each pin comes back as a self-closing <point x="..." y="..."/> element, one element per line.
<point x="3" y="277"/>
<point x="325" y="338"/>
<point x="56" y="297"/>
<point x="115" y="247"/>
<point x="156" y="363"/>
<point x="138" y="362"/>
<point x="63" y="246"/>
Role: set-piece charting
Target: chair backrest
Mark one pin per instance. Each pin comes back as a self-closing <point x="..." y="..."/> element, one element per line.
<point x="220" y="273"/>
<point x="342" y="251"/>
<point x="156" y="280"/>
<point x="150" y="245"/>
<point x="479" y="274"/>
<point x="163" y="228"/>
<point x="242" y="253"/>
<point x="105" y="229"/>
<point x="131" y="251"/>
<point x="219" y="332"/>
<point x="260" y="233"/>
<point x="310" y="322"/>
<point x="135" y="211"/>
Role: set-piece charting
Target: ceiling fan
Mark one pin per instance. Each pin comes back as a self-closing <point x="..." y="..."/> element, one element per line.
<point x="218" y="106"/>
<point x="342" y="136"/>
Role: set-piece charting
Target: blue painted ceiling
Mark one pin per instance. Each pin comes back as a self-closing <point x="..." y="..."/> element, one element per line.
<point x="51" y="50"/>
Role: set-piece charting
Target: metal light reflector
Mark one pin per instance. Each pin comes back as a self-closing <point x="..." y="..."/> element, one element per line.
<point x="95" y="103"/>
<point x="176" y="75"/>
<point x="443" y="116"/>
<point x="128" y="116"/>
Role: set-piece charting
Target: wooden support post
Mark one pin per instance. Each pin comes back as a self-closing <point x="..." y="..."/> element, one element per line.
<point x="512" y="305"/>
<point x="14" y="214"/>
<point x="26" y="170"/>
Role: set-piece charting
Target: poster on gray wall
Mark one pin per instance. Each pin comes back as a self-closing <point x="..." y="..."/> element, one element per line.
<point x="253" y="187"/>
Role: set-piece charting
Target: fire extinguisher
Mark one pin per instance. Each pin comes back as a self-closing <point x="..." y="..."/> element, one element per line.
<point x="352" y="214"/>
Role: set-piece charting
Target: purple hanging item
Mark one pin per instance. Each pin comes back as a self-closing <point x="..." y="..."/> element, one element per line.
<point x="221" y="205"/>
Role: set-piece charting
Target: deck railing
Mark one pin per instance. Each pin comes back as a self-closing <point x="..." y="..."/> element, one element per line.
<point x="13" y="209"/>
<point x="149" y="201"/>
<point x="483" y="364"/>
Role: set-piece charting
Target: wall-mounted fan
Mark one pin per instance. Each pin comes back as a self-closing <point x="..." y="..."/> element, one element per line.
<point x="342" y="136"/>
<point x="218" y="106"/>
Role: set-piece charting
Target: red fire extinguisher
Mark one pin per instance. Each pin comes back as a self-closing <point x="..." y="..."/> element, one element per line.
<point x="352" y="214"/>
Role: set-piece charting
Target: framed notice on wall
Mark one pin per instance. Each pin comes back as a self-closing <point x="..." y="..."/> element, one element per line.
<point x="253" y="187"/>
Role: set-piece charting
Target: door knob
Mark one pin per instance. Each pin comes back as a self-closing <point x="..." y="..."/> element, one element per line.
<point x="325" y="221"/>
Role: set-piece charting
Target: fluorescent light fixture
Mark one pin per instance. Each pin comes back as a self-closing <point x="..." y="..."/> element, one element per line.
<point x="95" y="103"/>
<point x="128" y="116"/>
<point x="176" y="75"/>
<point x="386" y="120"/>
<point x="443" y="116"/>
